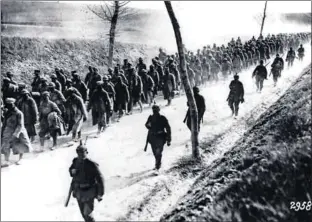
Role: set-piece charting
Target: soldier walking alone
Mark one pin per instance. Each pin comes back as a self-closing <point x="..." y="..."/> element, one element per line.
<point x="159" y="133"/>
<point x="87" y="183"/>
<point x="236" y="95"/>
<point x="201" y="107"/>
<point x="261" y="74"/>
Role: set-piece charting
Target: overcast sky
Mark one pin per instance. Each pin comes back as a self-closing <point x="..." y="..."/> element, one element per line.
<point x="250" y="6"/>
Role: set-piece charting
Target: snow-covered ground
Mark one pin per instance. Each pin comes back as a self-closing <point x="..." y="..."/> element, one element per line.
<point x="37" y="189"/>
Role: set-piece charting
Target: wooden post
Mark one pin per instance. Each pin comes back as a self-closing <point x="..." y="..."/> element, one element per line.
<point x="185" y="81"/>
<point x="263" y="18"/>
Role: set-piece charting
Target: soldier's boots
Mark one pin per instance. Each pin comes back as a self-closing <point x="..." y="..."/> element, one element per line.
<point x="74" y="136"/>
<point x="236" y="112"/>
<point x="42" y="142"/>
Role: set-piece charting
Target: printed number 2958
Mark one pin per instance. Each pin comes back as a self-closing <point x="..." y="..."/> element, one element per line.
<point x="301" y="205"/>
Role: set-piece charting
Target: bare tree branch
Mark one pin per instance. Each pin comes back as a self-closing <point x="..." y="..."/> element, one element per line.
<point x="96" y="13"/>
<point x="108" y="9"/>
<point x="112" y="11"/>
<point x="121" y="4"/>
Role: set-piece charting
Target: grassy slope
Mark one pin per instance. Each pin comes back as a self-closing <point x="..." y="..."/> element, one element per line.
<point x="26" y="54"/>
<point x="270" y="166"/>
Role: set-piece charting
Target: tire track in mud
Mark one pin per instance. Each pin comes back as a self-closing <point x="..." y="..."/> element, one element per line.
<point x="160" y="198"/>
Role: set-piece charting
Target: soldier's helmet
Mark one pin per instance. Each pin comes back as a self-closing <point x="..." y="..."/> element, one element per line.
<point x="155" y="107"/>
<point x="110" y="70"/>
<point x="9" y="74"/>
<point x="53" y="76"/>
<point x="140" y="59"/>
<point x="45" y="93"/>
<point x="37" y="71"/>
<point x="81" y="148"/>
<point x="99" y="83"/>
<point x="74" y="73"/>
<point x="10" y="101"/>
<point x="21" y="85"/>
<point x="6" y="79"/>
<point x="277" y="55"/>
<point x="24" y="92"/>
<point x="52" y="85"/>
<point x="43" y="79"/>
<point x="195" y="89"/>
<point x="105" y="78"/>
<point x="70" y="91"/>
<point x="236" y="77"/>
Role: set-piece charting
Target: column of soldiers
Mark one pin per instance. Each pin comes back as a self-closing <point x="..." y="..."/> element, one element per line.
<point x="60" y="103"/>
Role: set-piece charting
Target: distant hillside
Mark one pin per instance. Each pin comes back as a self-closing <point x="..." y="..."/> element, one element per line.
<point x="300" y="18"/>
<point x="65" y="20"/>
<point x="57" y="14"/>
<point x="22" y="56"/>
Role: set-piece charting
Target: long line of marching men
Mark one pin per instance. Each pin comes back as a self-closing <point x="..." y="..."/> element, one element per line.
<point x="60" y="102"/>
<point x="159" y="134"/>
<point x="63" y="102"/>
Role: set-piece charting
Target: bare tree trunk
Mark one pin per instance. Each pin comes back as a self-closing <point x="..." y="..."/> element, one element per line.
<point x="112" y="33"/>
<point x="263" y="18"/>
<point x="185" y="81"/>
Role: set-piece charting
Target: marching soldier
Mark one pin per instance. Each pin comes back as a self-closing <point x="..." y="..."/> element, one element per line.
<point x="76" y="113"/>
<point x="148" y="87"/>
<point x="100" y="104"/>
<point x="109" y="88"/>
<point x="159" y="133"/>
<point x="226" y="68"/>
<point x="89" y="77"/>
<point x="236" y="95"/>
<point x="8" y="89"/>
<point x="261" y="74"/>
<point x="87" y="183"/>
<point x="140" y="67"/>
<point x="301" y="52"/>
<point x="201" y="108"/>
<point x="50" y="122"/>
<point x="122" y="97"/>
<point x="276" y="68"/>
<point x="36" y="82"/>
<point x="169" y="85"/>
<point x="10" y="76"/>
<point x="291" y="55"/>
<point x="13" y="134"/>
<point x="80" y="86"/>
<point x="58" y="85"/>
<point x="58" y="98"/>
<point x="61" y="78"/>
<point x="27" y="105"/>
